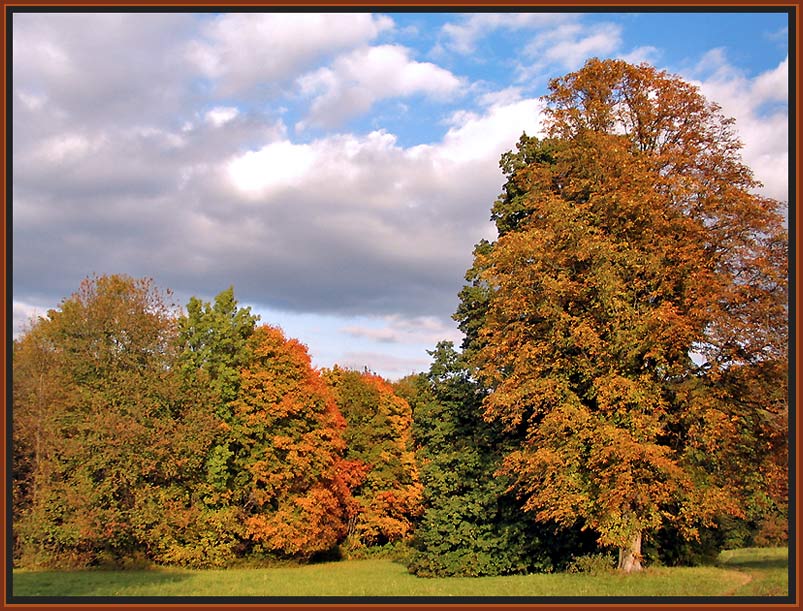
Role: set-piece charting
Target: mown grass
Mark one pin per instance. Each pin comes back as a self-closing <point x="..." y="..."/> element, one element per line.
<point x="768" y="569"/>
<point x="741" y="573"/>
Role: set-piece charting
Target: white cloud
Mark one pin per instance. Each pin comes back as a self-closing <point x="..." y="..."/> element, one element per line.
<point x="90" y="67"/>
<point x="24" y="314"/>
<point x="163" y="139"/>
<point x="220" y="115"/>
<point x="384" y="226"/>
<point x="390" y="366"/>
<point x="462" y="36"/>
<point x="384" y="334"/>
<point x="780" y="35"/>
<point x="715" y="62"/>
<point x="773" y="85"/>
<point x="648" y="54"/>
<point x="67" y="147"/>
<point x="282" y="164"/>
<point x="485" y="137"/>
<point x="46" y="56"/>
<point x="31" y="101"/>
<point x="570" y="45"/>
<point x="759" y="107"/>
<point x="241" y="51"/>
<point x="277" y="165"/>
<point x="498" y="98"/>
<point x="397" y="329"/>
<point x="567" y="46"/>
<point x="357" y="80"/>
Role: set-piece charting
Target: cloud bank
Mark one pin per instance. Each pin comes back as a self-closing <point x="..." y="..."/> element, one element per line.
<point x="211" y="150"/>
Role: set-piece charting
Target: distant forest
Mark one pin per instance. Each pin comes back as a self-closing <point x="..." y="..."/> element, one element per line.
<point x="621" y="389"/>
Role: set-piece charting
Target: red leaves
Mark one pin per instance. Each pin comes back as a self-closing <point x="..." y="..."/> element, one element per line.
<point x="287" y="416"/>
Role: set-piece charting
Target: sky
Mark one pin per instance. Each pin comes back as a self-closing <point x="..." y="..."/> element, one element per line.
<point x="335" y="169"/>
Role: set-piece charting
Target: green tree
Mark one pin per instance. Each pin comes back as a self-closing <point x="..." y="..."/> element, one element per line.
<point x="508" y="211"/>
<point x="211" y="350"/>
<point x="101" y="426"/>
<point x="471" y="526"/>
<point x="214" y="349"/>
<point x="379" y="452"/>
<point x="632" y="248"/>
<point x="214" y="338"/>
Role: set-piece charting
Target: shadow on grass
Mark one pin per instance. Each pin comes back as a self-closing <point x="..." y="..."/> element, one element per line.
<point x="58" y="584"/>
<point x="766" y="563"/>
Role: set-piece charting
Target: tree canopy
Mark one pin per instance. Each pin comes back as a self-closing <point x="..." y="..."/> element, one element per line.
<point x="379" y="448"/>
<point x="635" y="274"/>
<point x="470" y="526"/>
<point x="289" y="433"/>
<point x="104" y="436"/>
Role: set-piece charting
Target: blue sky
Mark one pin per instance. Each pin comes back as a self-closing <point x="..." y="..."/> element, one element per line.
<point x="336" y="169"/>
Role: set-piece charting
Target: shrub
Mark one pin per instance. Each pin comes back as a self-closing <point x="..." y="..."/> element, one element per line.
<point x="593" y="564"/>
<point x="773" y="531"/>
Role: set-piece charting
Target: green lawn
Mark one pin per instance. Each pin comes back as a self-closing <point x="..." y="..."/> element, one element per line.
<point x="753" y="572"/>
<point x="767" y="568"/>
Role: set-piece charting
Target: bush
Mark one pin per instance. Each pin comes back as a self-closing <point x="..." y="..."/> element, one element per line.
<point x="773" y="531"/>
<point x="592" y="564"/>
<point x="398" y="551"/>
<point x="668" y="548"/>
<point x="333" y="554"/>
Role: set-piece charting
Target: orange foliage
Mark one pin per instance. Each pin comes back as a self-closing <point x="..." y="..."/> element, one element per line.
<point x="290" y="430"/>
<point x="388" y="494"/>
<point x="632" y="240"/>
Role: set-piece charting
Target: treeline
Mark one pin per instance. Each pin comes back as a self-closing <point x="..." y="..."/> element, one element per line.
<point x="145" y="434"/>
<point x="621" y="388"/>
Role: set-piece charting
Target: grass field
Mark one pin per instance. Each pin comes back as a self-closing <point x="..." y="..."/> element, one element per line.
<point x="747" y="572"/>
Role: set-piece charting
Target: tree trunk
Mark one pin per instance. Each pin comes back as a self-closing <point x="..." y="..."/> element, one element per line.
<point x="630" y="557"/>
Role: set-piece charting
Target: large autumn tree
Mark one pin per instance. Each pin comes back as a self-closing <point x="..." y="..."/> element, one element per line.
<point x="631" y="318"/>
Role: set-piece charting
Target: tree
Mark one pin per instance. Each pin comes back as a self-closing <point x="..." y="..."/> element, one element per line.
<point x="378" y="436"/>
<point x="38" y="389"/>
<point x="213" y="339"/>
<point x="101" y="425"/>
<point x="470" y="526"/>
<point x="507" y="213"/>
<point x="637" y="276"/>
<point x="288" y="435"/>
